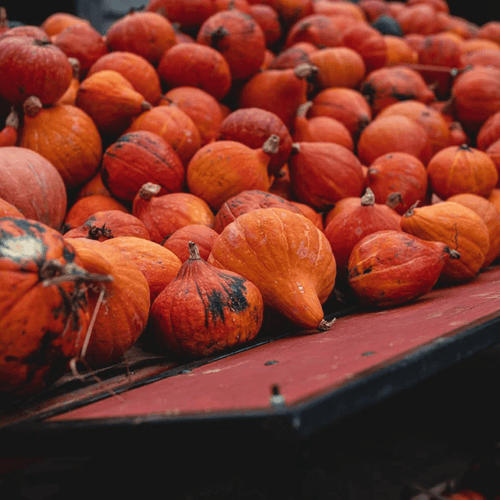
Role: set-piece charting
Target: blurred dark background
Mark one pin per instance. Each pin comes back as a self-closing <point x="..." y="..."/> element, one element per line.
<point x="479" y="11"/>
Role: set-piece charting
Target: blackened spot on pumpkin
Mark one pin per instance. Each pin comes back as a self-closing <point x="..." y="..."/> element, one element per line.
<point x="367" y="270"/>
<point x="353" y="273"/>
<point x="217" y="37"/>
<point x="68" y="255"/>
<point x="216" y="304"/>
<point x="403" y="96"/>
<point x="369" y="92"/>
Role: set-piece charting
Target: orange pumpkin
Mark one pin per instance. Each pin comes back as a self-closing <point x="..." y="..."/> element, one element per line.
<point x="164" y="214"/>
<point x="460" y="228"/>
<point x="122" y="312"/>
<point x="286" y="256"/>
<point x="317" y="29"/>
<point x="202" y="236"/>
<point x="8" y="135"/>
<point x="205" y="310"/>
<point x="158" y="264"/>
<point x="462" y="169"/>
<point x="110" y="100"/>
<point x="66" y="136"/>
<point x="389" y="268"/>
<point x="39" y="272"/>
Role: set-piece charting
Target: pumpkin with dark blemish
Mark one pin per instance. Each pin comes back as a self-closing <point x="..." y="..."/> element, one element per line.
<point x="389" y="268"/>
<point x="205" y="310"/>
<point x="43" y="305"/>
<point x="239" y="38"/>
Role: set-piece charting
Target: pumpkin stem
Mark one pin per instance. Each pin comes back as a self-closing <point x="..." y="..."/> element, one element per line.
<point x="303" y="109"/>
<point x="95" y="232"/>
<point x="368" y="199"/>
<point x="194" y="253"/>
<point x="295" y="148"/>
<point x="305" y="71"/>
<point x="32" y="106"/>
<point x="146" y="106"/>
<point x="149" y="190"/>
<point x="464" y="147"/>
<point x="13" y="119"/>
<point x="411" y="210"/>
<point x="394" y="199"/>
<point x="75" y="64"/>
<point x="272" y="145"/>
<point x="217" y="35"/>
<point x="325" y="325"/>
<point x="453" y="253"/>
<point x="41" y="43"/>
<point x="53" y="272"/>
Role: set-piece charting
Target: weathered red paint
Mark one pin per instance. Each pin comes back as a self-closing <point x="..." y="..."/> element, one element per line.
<point x="309" y="365"/>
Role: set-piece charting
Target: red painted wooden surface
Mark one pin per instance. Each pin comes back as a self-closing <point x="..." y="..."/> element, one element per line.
<point x="309" y="365"/>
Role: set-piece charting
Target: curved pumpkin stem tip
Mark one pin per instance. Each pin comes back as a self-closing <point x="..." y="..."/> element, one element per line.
<point x="325" y="325"/>
<point x="453" y="253"/>
<point x="194" y="253"/>
<point x="303" y="109"/>
<point x="411" y="210"/>
<point x="272" y="145"/>
<point x="368" y="199"/>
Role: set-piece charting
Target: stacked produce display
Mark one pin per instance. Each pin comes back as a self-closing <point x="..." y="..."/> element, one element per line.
<point x="206" y="170"/>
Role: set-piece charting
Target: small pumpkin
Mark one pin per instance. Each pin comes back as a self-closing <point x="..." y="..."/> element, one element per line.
<point x="59" y="21"/>
<point x="136" y="69"/>
<point x="390" y="268"/>
<point x="286" y="256"/>
<point x="318" y="29"/>
<point x="460" y="228"/>
<point x="205" y="310"/>
<point x="351" y="220"/>
<point x="147" y="34"/>
<point x="238" y="37"/>
<point x="223" y="169"/>
<point x="107" y="224"/>
<point x="322" y="173"/>
<point x="164" y="214"/>
<point x="28" y="181"/>
<point x="110" y="100"/>
<point x="462" y="169"/>
<point x="158" y="264"/>
<point x="252" y="127"/>
<point x="368" y="43"/>
<point x="66" y="136"/>
<point x="245" y="202"/>
<point x="139" y="157"/>
<point x="202" y="236"/>
<point x="123" y="309"/>
<point x="31" y="66"/>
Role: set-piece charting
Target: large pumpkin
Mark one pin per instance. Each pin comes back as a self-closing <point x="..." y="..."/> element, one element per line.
<point x="43" y="305"/>
<point x="286" y="256"/>
<point x="33" y="185"/>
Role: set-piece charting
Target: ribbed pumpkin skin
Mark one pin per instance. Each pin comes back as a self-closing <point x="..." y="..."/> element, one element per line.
<point x="285" y="256"/>
<point x="137" y="70"/>
<point x="490" y="216"/>
<point x="124" y="313"/>
<point x="67" y="137"/>
<point x="139" y="157"/>
<point x="28" y="181"/>
<point x="158" y="264"/>
<point x="206" y="310"/>
<point x="30" y="67"/>
<point x="388" y="268"/>
<point x="9" y="210"/>
<point x="245" y="202"/>
<point x="35" y="348"/>
<point x="460" y="228"/>
<point x="107" y="224"/>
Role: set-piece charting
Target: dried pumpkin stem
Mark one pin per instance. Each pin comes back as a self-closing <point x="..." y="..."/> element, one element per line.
<point x="32" y="106"/>
<point x="303" y="109"/>
<point x="54" y="273"/>
<point x="194" y="253"/>
<point x="12" y="119"/>
<point x="75" y="64"/>
<point x="272" y="145"/>
<point x="305" y="71"/>
<point x="394" y="199"/>
<point x="295" y="148"/>
<point x="149" y="190"/>
<point x="146" y="106"/>
<point x="411" y="210"/>
<point x="326" y="325"/>
<point x="453" y="253"/>
<point x="368" y="199"/>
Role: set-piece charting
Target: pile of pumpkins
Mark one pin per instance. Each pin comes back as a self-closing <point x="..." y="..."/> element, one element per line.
<point x="208" y="166"/>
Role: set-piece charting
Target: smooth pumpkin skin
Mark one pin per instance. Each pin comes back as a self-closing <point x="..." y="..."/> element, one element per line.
<point x="388" y="268"/>
<point x="124" y="313"/>
<point x="286" y="256"/>
<point x="458" y="227"/>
